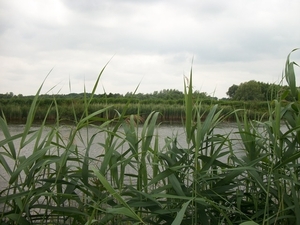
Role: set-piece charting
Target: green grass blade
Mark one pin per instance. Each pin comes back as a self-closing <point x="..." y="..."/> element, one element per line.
<point x="176" y="185"/>
<point x="5" y="164"/>
<point x="188" y="95"/>
<point x="83" y="121"/>
<point x="181" y="213"/>
<point x="97" y="82"/>
<point x="28" y="163"/>
<point x="123" y="211"/>
<point x="161" y="176"/>
<point x="129" y="211"/>
<point x="249" y="223"/>
<point x="4" y="128"/>
<point x="290" y="75"/>
<point x="18" y="219"/>
<point x="31" y="113"/>
<point x="60" y="210"/>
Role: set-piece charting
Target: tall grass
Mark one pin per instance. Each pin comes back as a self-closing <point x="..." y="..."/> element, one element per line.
<point x="127" y="177"/>
<point x="16" y="108"/>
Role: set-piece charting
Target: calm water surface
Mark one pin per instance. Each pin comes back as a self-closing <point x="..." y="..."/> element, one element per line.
<point x="163" y="132"/>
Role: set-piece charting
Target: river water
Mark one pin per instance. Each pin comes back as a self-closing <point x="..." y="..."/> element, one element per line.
<point x="164" y="131"/>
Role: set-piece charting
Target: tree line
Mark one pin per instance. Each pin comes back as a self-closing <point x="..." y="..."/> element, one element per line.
<point x="255" y="91"/>
<point x="170" y="104"/>
<point x="251" y="96"/>
<point x="169" y="96"/>
<point x="247" y="91"/>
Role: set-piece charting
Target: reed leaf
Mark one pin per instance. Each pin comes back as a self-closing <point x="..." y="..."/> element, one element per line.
<point x="126" y="209"/>
<point x="290" y="75"/>
<point x="31" y="113"/>
<point x="18" y="219"/>
<point x="249" y="223"/>
<point x="83" y="121"/>
<point x="8" y="139"/>
<point x="28" y="163"/>
<point x="178" y="219"/>
<point x="188" y="95"/>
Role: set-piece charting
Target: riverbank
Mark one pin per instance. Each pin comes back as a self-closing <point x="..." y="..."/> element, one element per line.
<point x="169" y="114"/>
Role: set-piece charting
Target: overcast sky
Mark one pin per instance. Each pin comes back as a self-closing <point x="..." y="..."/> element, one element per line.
<point x="154" y="43"/>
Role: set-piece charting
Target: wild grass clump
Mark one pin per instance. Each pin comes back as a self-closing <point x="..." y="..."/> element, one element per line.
<point x="114" y="170"/>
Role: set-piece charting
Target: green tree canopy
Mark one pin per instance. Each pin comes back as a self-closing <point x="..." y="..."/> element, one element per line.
<point x="250" y="90"/>
<point x="255" y="90"/>
<point x="231" y="91"/>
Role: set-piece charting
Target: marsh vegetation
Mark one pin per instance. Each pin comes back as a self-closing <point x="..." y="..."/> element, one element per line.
<point x="136" y="180"/>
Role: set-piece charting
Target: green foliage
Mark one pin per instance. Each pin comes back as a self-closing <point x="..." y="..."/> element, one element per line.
<point x="247" y="177"/>
<point x="250" y="90"/>
<point x="169" y="102"/>
<point x="232" y="90"/>
<point x="254" y="91"/>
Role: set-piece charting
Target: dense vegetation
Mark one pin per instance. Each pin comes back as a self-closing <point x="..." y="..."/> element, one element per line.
<point x="134" y="180"/>
<point x="169" y="102"/>
<point x="255" y="90"/>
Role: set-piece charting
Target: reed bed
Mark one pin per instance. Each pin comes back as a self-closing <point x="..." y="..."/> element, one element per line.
<point x="135" y="180"/>
<point x="16" y="108"/>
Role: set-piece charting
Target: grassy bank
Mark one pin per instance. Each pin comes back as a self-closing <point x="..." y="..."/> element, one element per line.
<point x="17" y="113"/>
<point x="134" y="180"/>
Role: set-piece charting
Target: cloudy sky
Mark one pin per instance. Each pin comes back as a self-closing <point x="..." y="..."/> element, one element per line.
<point x="151" y="42"/>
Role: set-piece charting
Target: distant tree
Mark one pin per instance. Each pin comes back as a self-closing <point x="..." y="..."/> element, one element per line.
<point x="270" y="91"/>
<point x="201" y="95"/>
<point x="129" y="94"/>
<point x="254" y="90"/>
<point x="250" y="90"/>
<point x="231" y="91"/>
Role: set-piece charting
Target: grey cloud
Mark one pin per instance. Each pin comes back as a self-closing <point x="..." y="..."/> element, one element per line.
<point x="147" y="37"/>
